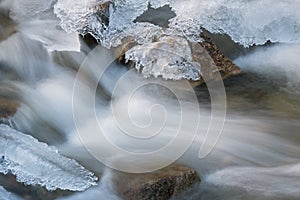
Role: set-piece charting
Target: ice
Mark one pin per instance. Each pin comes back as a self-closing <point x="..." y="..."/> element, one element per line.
<point x="74" y="14"/>
<point x="4" y="195"/>
<point x="35" y="163"/>
<point x="103" y="190"/>
<point x="169" y="57"/>
<point x="246" y="22"/>
<point x="84" y="18"/>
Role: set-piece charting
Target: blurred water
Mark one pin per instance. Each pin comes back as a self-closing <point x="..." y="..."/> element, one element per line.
<point x="257" y="156"/>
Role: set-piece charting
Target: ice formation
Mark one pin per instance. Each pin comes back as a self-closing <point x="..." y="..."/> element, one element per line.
<point x="85" y="17"/>
<point x="246" y="22"/>
<point x="169" y="57"/>
<point x="121" y="25"/>
<point x="35" y="163"/>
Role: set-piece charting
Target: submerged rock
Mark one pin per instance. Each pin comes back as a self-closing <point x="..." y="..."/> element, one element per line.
<point x="8" y="107"/>
<point x="162" y="184"/>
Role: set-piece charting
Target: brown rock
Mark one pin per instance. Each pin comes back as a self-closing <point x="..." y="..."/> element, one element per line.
<point x="162" y="184"/>
<point x="213" y="62"/>
<point x="8" y="107"/>
<point x="224" y="65"/>
<point x="7" y="27"/>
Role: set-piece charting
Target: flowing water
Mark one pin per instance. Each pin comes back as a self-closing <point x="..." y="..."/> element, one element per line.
<point x="258" y="153"/>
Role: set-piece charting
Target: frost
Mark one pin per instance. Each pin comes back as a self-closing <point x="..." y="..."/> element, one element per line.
<point x="169" y="57"/>
<point x="35" y="163"/>
<point x="4" y="195"/>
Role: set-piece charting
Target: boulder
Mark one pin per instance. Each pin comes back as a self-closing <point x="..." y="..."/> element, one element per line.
<point x="162" y="184"/>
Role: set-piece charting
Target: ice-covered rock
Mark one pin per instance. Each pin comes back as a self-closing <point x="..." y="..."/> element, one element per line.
<point x="155" y="51"/>
<point x="35" y="163"/>
<point x="169" y="57"/>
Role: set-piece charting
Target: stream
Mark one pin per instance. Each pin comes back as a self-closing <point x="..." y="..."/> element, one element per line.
<point x="258" y="153"/>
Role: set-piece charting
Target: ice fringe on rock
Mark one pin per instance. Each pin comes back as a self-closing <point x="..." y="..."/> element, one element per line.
<point x="35" y="163"/>
<point x="4" y="195"/>
<point x="169" y="57"/>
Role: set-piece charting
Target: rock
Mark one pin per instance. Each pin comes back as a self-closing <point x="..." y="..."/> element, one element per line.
<point x="161" y="184"/>
<point x="8" y="107"/>
<point x="10" y="183"/>
<point x="224" y="65"/>
<point x="7" y="27"/>
<point x="169" y="57"/>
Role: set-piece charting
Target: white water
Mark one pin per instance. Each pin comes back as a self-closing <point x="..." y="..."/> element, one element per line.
<point x="6" y="195"/>
<point x="258" y="151"/>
